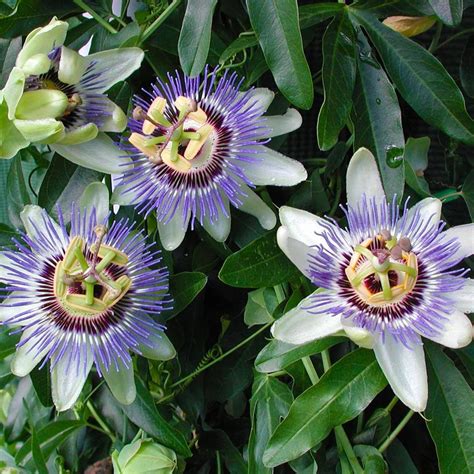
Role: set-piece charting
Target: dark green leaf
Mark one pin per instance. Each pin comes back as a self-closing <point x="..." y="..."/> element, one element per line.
<point x="17" y="188"/>
<point x="7" y="234"/>
<point x="144" y="414"/>
<point x="450" y="405"/>
<point x="339" y="72"/>
<point x="260" y="306"/>
<point x="315" y="13"/>
<point x="271" y="400"/>
<point x="377" y="119"/>
<point x="276" y="24"/>
<point x="448" y="11"/>
<point x="421" y="80"/>
<point x="311" y="195"/>
<point x="466" y="70"/>
<point x="38" y="456"/>
<point x="277" y="355"/>
<point x="184" y="287"/>
<point x="342" y="393"/>
<point x="415" y="159"/>
<point x="41" y="379"/>
<point x="238" y="45"/>
<point x="9" y="50"/>
<point x="384" y="8"/>
<point x="372" y="461"/>
<point x="8" y="342"/>
<point x="399" y="461"/>
<point x="49" y="438"/>
<point x="466" y="354"/>
<point x="468" y="193"/>
<point x="195" y="36"/>
<point x="259" y="264"/>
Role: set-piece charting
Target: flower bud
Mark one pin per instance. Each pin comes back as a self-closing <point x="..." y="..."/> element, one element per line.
<point x="410" y="25"/>
<point x="41" y="104"/>
<point x="144" y="456"/>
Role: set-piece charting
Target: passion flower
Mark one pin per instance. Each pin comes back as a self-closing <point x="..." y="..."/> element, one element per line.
<point x="82" y="296"/>
<point x="198" y="145"/>
<point x="386" y="281"/>
<point x="56" y="96"/>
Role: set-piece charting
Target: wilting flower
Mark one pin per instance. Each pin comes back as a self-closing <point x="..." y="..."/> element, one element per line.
<point x="144" y="456"/>
<point x="82" y="297"/>
<point x="56" y="96"/>
<point x="198" y="144"/>
<point x="388" y="279"/>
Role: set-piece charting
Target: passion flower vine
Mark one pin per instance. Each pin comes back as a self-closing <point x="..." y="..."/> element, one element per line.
<point x="83" y="296"/>
<point x="56" y="96"/>
<point x="198" y="144"/>
<point x="386" y="281"/>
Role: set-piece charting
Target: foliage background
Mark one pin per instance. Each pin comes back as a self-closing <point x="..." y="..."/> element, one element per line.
<point x="217" y="403"/>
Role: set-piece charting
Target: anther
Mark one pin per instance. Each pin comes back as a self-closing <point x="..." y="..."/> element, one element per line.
<point x="139" y="114"/>
<point x="396" y="252"/>
<point x="405" y="244"/>
<point x="193" y="106"/>
<point x="100" y="230"/>
<point x="386" y="235"/>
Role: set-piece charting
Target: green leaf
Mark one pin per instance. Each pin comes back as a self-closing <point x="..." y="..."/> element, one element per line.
<point x="343" y="392"/>
<point x="38" y="456"/>
<point x="277" y="355"/>
<point x="276" y="25"/>
<point x="195" y="37"/>
<point x="63" y="184"/>
<point x="421" y="80"/>
<point x="144" y="414"/>
<point x="339" y="73"/>
<point x="184" y="287"/>
<point x="238" y="45"/>
<point x="415" y="159"/>
<point x="315" y="13"/>
<point x="466" y="69"/>
<point x="8" y="342"/>
<point x="372" y="460"/>
<point x="449" y="411"/>
<point x="399" y="461"/>
<point x="17" y="190"/>
<point x="259" y="264"/>
<point x="9" y="50"/>
<point x="448" y="11"/>
<point x="48" y="438"/>
<point x="260" y="306"/>
<point x="41" y="379"/>
<point x="311" y="195"/>
<point x="468" y="193"/>
<point x="271" y="400"/>
<point x="377" y="119"/>
<point x="466" y="354"/>
<point x="384" y="8"/>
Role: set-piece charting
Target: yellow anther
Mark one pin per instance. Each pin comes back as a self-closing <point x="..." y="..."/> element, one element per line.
<point x="181" y="164"/>
<point x="194" y="146"/>
<point x="70" y="256"/>
<point x="79" y="303"/>
<point x="59" y="284"/>
<point x="155" y="112"/>
<point x="120" y="258"/>
<point x="140" y="143"/>
<point x="124" y="283"/>
<point x="185" y="105"/>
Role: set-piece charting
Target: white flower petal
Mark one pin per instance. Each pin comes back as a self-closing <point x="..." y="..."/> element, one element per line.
<point x="14" y="90"/>
<point x="219" y="229"/>
<point x="457" y="331"/>
<point x="120" y="382"/>
<point x="298" y="326"/>
<point x="360" y="336"/>
<point x="363" y="178"/>
<point x="116" y="120"/>
<point x="4" y="261"/>
<point x="405" y="370"/>
<point x="95" y="196"/>
<point x="67" y="379"/>
<point x="115" y="65"/>
<point x="252" y="204"/>
<point x="72" y="66"/>
<point x="35" y="219"/>
<point x="463" y="299"/>
<point x="273" y="168"/>
<point x="40" y="129"/>
<point x="100" y="154"/>
<point x="37" y="64"/>
<point x="295" y="250"/>
<point x="282" y="124"/>
<point x="27" y="357"/>
<point x="172" y="232"/>
<point x="261" y="97"/>
<point x="429" y="210"/>
<point x="11" y="309"/>
<point x="125" y="196"/>
<point x="465" y="236"/>
<point x="159" y="347"/>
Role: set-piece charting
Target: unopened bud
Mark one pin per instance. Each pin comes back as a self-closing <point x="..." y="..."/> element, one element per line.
<point x="410" y="25"/>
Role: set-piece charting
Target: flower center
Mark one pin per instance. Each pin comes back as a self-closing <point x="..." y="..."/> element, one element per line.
<point x="383" y="269"/>
<point x="83" y="282"/>
<point x="183" y="145"/>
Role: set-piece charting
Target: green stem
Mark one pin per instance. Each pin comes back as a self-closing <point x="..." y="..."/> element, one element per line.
<point x="455" y="36"/>
<point x="396" y="431"/>
<point x="341" y="437"/>
<point x="223" y="356"/>
<point x="100" y="421"/>
<point x="436" y="37"/>
<point x="218" y="463"/>
<point x="391" y="404"/>
<point x="96" y="16"/>
<point x="157" y="23"/>
<point x="345" y="466"/>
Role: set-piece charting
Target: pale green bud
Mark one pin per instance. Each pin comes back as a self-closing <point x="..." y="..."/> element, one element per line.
<point x="37" y="64"/>
<point x="41" y="104"/>
<point x="144" y="456"/>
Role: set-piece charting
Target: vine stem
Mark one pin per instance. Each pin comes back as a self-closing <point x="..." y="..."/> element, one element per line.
<point x="96" y="16"/>
<point x="100" y="421"/>
<point x="396" y="431"/>
<point x="391" y="404"/>
<point x="341" y="436"/>
<point x="161" y="18"/>
<point x="223" y="356"/>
